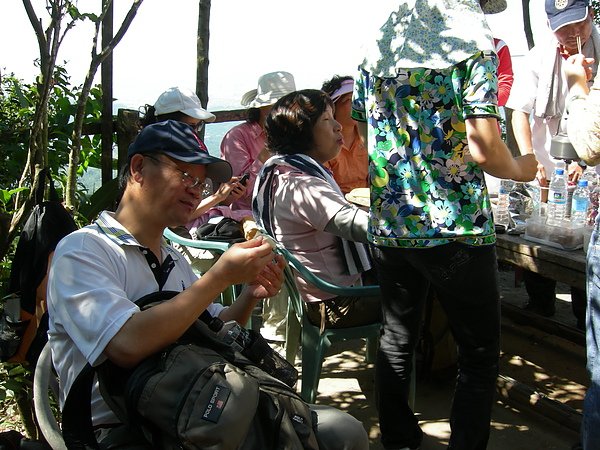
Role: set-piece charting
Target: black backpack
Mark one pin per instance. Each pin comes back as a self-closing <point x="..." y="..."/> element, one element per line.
<point x="197" y="393"/>
<point x="47" y="224"/>
<point x="226" y="230"/>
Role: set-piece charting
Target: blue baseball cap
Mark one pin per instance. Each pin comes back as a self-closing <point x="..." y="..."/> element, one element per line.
<point x="179" y="141"/>
<point x="566" y="12"/>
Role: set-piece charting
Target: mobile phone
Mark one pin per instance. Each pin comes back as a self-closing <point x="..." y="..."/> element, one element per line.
<point x="244" y="178"/>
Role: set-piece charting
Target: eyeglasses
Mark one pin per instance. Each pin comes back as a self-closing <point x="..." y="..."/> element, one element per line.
<point x="189" y="181"/>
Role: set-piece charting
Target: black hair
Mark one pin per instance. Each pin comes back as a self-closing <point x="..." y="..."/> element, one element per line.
<point x="289" y="126"/>
<point x="123" y="179"/>
<point x="330" y="86"/>
<point x="253" y="115"/>
<point x="124" y="176"/>
<point x="151" y="117"/>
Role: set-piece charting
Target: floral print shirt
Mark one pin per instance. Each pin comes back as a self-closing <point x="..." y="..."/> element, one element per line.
<point x="425" y="188"/>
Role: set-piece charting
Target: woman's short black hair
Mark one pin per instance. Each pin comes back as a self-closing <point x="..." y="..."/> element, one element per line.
<point x="289" y="126"/>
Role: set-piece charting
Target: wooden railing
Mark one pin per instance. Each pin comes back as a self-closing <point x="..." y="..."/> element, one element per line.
<point x="126" y="126"/>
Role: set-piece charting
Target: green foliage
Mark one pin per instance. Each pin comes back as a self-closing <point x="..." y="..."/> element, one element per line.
<point x="15" y="381"/>
<point x="17" y="110"/>
<point x="6" y="197"/>
<point x="103" y="198"/>
<point x="13" y="378"/>
<point x="5" y="265"/>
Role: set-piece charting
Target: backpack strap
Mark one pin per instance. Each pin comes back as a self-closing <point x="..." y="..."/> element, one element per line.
<point x="77" y="429"/>
<point x="39" y="192"/>
<point x="53" y="197"/>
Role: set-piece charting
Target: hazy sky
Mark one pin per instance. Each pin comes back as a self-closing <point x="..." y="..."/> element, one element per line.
<point x="312" y="39"/>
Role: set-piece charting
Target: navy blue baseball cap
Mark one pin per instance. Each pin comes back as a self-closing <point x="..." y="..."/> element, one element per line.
<point x="179" y="141"/>
<point x="566" y="12"/>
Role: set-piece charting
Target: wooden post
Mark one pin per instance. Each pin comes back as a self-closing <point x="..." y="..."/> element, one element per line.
<point x="202" y="41"/>
<point x="107" y="99"/>
<point x="128" y="126"/>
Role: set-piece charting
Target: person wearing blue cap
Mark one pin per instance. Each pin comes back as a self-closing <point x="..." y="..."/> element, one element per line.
<point x="100" y="270"/>
<point x="538" y="99"/>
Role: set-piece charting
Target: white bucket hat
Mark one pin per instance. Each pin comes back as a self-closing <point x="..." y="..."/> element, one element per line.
<point x="271" y="87"/>
<point x="183" y="100"/>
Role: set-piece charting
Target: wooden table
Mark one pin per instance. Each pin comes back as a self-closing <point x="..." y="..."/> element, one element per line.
<point x="565" y="266"/>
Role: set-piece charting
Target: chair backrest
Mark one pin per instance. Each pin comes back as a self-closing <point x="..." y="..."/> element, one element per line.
<point x="214" y="247"/>
<point x="45" y="379"/>
<point x="360" y="291"/>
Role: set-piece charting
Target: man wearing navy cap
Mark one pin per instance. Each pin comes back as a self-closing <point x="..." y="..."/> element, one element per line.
<point x="100" y="270"/>
<point x="103" y="268"/>
<point x="538" y="97"/>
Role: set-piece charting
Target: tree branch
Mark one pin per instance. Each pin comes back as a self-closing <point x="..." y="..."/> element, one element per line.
<point x="36" y="24"/>
<point x="83" y="96"/>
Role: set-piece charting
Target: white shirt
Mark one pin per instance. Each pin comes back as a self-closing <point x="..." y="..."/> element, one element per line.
<point x="531" y="89"/>
<point x="96" y="274"/>
<point x="524" y="95"/>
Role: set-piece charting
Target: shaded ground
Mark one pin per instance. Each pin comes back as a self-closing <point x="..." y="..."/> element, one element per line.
<point x="549" y="365"/>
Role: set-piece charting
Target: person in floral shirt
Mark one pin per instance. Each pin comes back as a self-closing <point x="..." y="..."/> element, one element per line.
<point x="425" y="98"/>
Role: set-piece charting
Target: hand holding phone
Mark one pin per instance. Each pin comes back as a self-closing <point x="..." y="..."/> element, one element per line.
<point x="244" y="179"/>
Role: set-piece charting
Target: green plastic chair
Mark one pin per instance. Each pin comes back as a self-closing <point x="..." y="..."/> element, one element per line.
<point x="215" y="247"/>
<point x="314" y="343"/>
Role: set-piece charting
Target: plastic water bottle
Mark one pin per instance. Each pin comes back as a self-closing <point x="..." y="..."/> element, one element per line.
<point x="591" y="176"/>
<point x="557" y="198"/>
<point x="502" y="214"/>
<point x="580" y="204"/>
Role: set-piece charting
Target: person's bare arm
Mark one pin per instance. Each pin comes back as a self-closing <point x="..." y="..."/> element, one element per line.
<point x="489" y="151"/>
<point x="225" y="194"/>
<point x="149" y="331"/>
<point x="522" y="133"/>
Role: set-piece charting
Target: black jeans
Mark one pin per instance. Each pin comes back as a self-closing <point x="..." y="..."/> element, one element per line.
<point x="466" y="279"/>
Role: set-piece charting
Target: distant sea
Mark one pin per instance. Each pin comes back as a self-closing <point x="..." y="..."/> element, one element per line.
<point x="213" y="135"/>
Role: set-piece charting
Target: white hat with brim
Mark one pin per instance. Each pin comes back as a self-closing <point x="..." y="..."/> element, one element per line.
<point x="271" y="87"/>
<point x="493" y="6"/>
<point x="182" y="100"/>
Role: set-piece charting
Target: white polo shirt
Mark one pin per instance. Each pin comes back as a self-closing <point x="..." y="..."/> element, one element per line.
<point x="96" y="275"/>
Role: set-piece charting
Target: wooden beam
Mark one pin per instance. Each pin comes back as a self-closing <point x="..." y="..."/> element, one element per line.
<point x="106" y="72"/>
